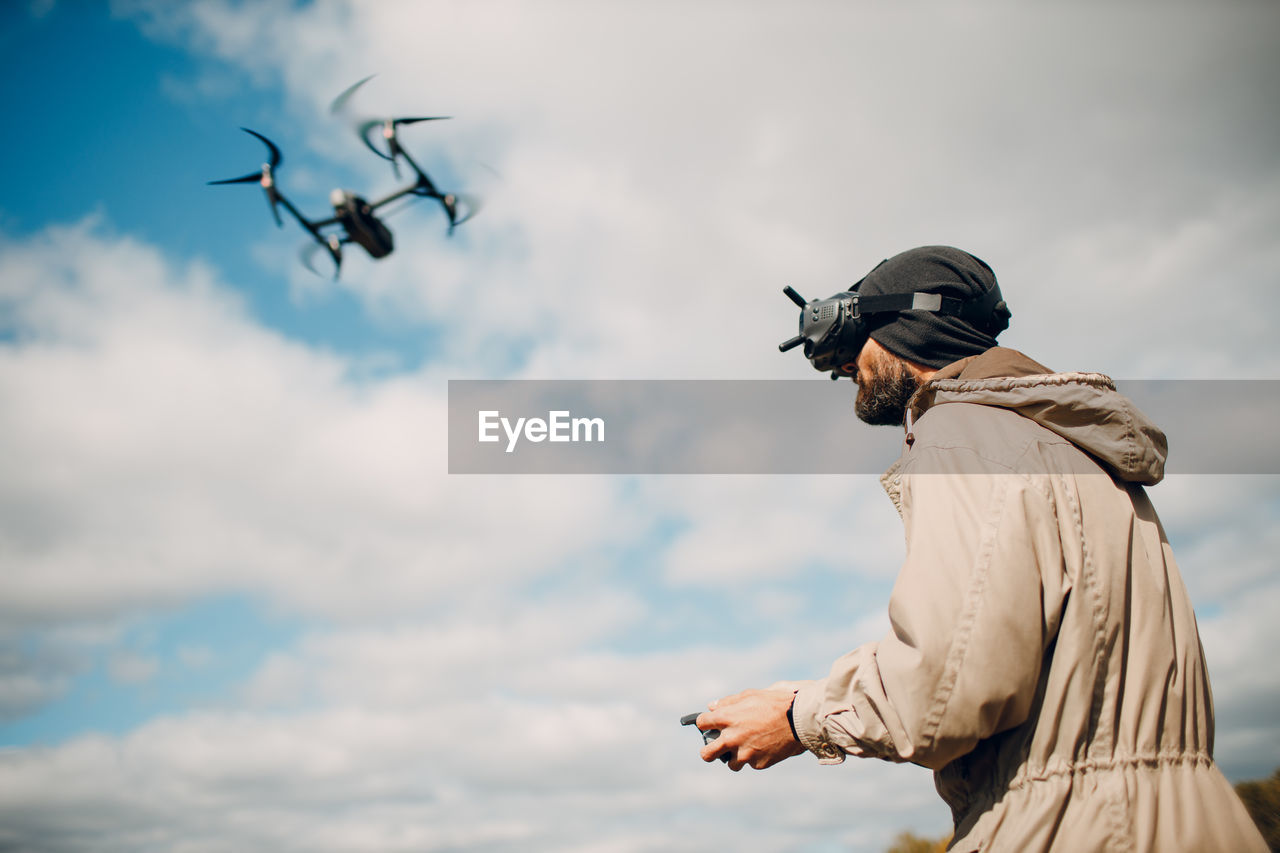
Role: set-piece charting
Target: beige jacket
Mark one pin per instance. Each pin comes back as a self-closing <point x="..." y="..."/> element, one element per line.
<point x="1043" y="658"/>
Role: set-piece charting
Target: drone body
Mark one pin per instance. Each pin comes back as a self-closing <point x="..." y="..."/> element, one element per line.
<point x="354" y="219"/>
<point x="357" y="219"/>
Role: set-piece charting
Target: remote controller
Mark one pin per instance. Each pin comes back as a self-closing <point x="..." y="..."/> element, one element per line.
<point x="707" y="736"/>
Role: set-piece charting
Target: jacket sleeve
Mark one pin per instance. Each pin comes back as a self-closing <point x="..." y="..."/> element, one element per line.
<point x="973" y="611"/>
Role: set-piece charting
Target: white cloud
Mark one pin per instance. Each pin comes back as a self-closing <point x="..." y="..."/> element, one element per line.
<point x="459" y="706"/>
<point x="158" y="444"/>
<point x="1223" y="530"/>
<point x="29" y="688"/>
<point x="132" y="668"/>
<point x="492" y="665"/>
<point x="37" y="670"/>
<point x="750" y="529"/>
<point x="662" y="180"/>
<point x="197" y="656"/>
<point x="158" y="430"/>
<point x="507" y="730"/>
<point x="504" y="776"/>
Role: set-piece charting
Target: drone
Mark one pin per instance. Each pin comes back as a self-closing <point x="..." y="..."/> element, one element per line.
<point x="356" y="220"/>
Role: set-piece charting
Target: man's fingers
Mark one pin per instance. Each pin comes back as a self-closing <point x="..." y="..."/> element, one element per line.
<point x="752" y="726"/>
<point x="722" y="746"/>
<point x="737" y="758"/>
<point x="743" y="695"/>
<point x="709" y="720"/>
<point x="713" y="750"/>
<point x="741" y="757"/>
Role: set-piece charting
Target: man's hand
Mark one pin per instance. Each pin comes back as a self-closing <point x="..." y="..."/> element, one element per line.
<point x="753" y="727"/>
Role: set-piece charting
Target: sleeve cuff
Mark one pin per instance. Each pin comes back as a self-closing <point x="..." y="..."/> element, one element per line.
<point x="804" y="722"/>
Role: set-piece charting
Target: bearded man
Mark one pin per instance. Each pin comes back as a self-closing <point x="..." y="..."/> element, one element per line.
<point x="1043" y="658"/>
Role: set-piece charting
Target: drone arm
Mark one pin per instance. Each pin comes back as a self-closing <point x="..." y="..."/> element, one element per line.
<point x="312" y="227"/>
<point x="401" y="193"/>
<point x="424" y="185"/>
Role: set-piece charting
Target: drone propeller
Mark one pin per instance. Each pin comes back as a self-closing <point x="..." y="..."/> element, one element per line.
<point x="459" y="207"/>
<point x="272" y="150"/>
<point x="334" y="245"/>
<point x="263" y="176"/>
<point x="453" y="204"/>
<point x="256" y="177"/>
<point x="469" y="204"/>
<point x="396" y="122"/>
<point x="340" y="103"/>
<point x="389" y="127"/>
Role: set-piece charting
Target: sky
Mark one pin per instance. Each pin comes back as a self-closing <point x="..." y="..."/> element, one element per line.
<point x="244" y="605"/>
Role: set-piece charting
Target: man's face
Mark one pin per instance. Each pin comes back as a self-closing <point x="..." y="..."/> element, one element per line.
<point x="885" y="384"/>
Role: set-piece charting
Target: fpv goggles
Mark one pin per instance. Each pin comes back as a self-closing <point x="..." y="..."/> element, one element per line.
<point x="834" y="329"/>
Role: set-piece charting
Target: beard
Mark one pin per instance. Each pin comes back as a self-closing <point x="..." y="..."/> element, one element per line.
<point x="884" y="393"/>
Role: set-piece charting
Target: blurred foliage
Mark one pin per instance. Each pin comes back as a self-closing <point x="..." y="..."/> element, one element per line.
<point x="909" y="842"/>
<point x="1262" y="799"/>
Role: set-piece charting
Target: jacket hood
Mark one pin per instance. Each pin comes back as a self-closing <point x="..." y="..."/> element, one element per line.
<point x="1083" y="408"/>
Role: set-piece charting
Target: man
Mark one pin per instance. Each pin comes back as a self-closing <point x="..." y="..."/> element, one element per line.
<point x="1043" y="658"/>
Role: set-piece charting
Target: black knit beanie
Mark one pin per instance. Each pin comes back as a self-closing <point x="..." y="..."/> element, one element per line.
<point x="925" y="337"/>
